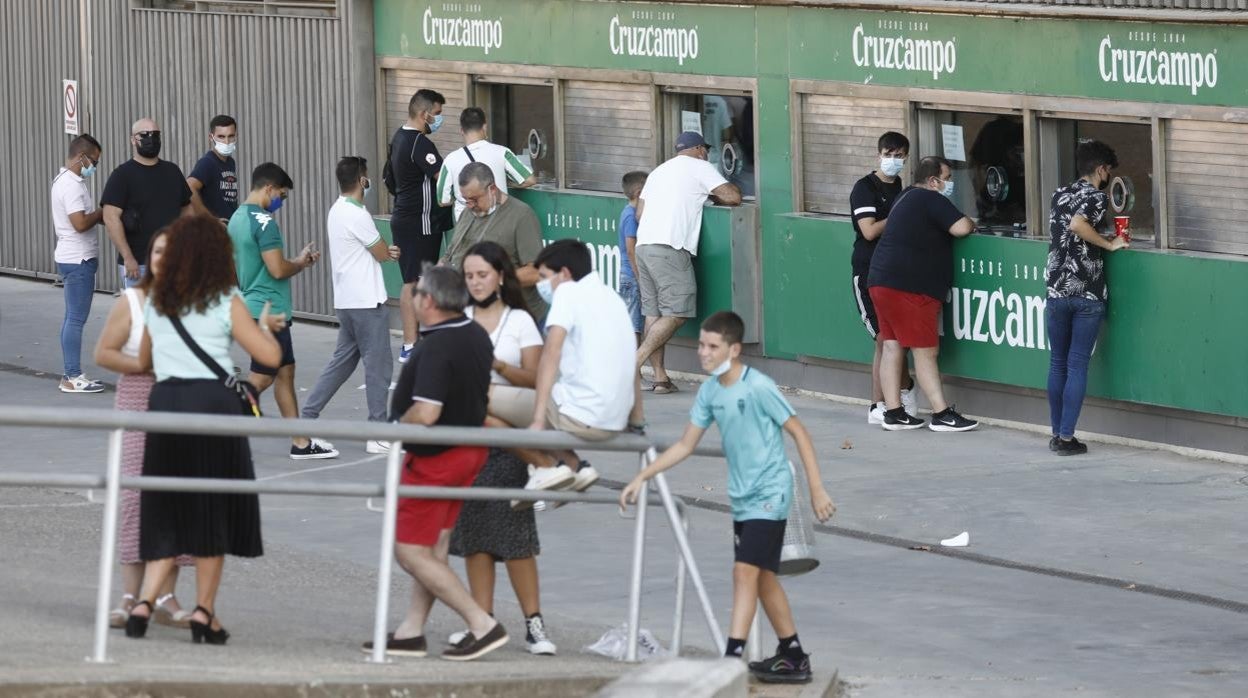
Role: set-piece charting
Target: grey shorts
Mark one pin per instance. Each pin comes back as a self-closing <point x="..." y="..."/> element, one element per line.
<point x="668" y="286"/>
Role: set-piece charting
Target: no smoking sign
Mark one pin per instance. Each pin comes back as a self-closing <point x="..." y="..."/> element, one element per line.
<point x="69" y="105"/>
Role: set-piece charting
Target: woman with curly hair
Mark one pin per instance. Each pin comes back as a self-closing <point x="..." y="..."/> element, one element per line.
<point x="196" y="290"/>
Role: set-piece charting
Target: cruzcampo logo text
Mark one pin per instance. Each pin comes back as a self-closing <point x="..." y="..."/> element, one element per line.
<point x="885" y="47"/>
<point x="1169" y="65"/>
<point x="462" y="32"/>
<point x="630" y="37"/>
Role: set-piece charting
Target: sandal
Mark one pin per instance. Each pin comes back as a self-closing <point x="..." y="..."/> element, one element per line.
<point x="665" y="387"/>
<point x="174" y="619"/>
<point x="117" y="617"/>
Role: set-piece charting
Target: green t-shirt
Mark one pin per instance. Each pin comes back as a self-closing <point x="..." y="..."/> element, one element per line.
<point x="254" y="231"/>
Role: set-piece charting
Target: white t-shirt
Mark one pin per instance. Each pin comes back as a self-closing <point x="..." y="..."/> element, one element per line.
<point x="356" y="274"/>
<point x="674" y="194"/>
<point x="596" y="367"/>
<point x="516" y="331"/>
<point x="70" y="195"/>
<point x="504" y="163"/>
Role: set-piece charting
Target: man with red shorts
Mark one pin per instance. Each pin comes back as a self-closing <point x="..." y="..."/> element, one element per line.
<point x="446" y="383"/>
<point x="911" y="272"/>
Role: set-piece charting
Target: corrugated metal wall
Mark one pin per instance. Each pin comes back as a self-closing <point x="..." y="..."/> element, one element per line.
<point x="287" y="80"/>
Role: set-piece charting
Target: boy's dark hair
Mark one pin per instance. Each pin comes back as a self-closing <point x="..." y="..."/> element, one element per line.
<point x="270" y="174"/>
<point x="424" y="100"/>
<point x="221" y="120"/>
<point x="930" y="166"/>
<point x="570" y="254"/>
<point x="632" y="182"/>
<point x="83" y="144"/>
<point x="1090" y="155"/>
<point x="891" y="140"/>
<point x="726" y="323"/>
<point x="472" y="119"/>
<point x="349" y="170"/>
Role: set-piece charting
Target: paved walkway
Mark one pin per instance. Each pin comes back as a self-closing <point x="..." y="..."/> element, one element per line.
<point x="1116" y="573"/>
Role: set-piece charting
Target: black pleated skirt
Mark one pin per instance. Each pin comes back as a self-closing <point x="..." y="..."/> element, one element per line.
<point x="192" y="523"/>
<point x="493" y="527"/>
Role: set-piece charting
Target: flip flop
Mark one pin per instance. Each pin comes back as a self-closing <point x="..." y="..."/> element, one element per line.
<point x="665" y="387"/>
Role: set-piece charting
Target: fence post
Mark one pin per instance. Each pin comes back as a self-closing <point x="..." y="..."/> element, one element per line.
<point x="385" y="565"/>
<point x="678" y="623"/>
<point x="639" y="559"/>
<point x="108" y="545"/>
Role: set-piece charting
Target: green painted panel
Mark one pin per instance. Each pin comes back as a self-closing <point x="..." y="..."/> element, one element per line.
<point x="1148" y="62"/>
<point x="621" y="35"/>
<point x="390" y="272"/>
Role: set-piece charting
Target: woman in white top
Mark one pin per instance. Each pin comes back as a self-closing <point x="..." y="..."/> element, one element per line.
<point x="489" y="532"/>
<point x="118" y="350"/>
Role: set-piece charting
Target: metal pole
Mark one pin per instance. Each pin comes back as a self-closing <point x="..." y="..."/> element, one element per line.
<point x="678" y="624"/>
<point x="683" y="542"/>
<point x="639" y="559"/>
<point x="755" y="646"/>
<point x="108" y="546"/>
<point x="386" y="564"/>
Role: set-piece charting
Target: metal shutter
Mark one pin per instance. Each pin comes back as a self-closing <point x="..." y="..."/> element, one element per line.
<point x="1207" y="185"/>
<point x="839" y="136"/>
<point x="608" y="131"/>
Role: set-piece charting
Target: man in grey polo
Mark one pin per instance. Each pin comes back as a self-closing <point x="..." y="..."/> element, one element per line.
<point x="669" y="215"/>
<point x="356" y="253"/>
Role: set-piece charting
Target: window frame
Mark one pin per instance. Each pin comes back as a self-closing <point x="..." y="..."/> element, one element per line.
<point x="477" y="82"/>
<point x="726" y="87"/>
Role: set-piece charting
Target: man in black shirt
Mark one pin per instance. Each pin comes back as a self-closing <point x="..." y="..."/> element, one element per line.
<point x="417" y="220"/>
<point x="142" y="196"/>
<point x="446" y="382"/>
<point x="911" y="272"/>
<point x="214" y="180"/>
<point x="870" y="201"/>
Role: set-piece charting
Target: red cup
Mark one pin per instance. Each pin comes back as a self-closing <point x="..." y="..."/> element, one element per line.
<point x="1122" y="227"/>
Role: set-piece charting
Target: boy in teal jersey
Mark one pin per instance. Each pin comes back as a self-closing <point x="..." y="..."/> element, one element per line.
<point x="751" y="414"/>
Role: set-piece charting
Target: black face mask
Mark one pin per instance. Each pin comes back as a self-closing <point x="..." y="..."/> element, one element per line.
<point x="149" y="145"/>
<point x="487" y="301"/>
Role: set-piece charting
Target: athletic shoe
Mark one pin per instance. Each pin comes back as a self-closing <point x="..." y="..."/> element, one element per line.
<point x="910" y="399"/>
<point x="377" y="447"/>
<point x="949" y="420"/>
<point x="875" y="413"/>
<point x="410" y="647"/>
<point x="900" y="420"/>
<point x="782" y="669"/>
<point x="405" y="353"/>
<point x="1053" y="443"/>
<point x="586" y="475"/>
<point x="535" y="638"/>
<point x="472" y="647"/>
<point x="1074" y="447"/>
<point x="315" y="450"/>
<point x="80" y="384"/>
<point x="559" y="477"/>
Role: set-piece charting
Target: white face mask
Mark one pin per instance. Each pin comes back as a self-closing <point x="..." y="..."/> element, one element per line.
<point x="224" y="149"/>
<point x="722" y="368"/>
<point x="948" y="190"/>
<point x="546" y="291"/>
<point x="891" y="167"/>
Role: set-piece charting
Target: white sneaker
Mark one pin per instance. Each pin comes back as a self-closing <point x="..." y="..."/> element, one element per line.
<point x="586" y="476"/>
<point x="559" y="477"/>
<point x="910" y="400"/>
<point x="377" y="447"/>
<point x="80" y="384"/>
<point x="535" y="639"/>
<point x="875" y="413"/>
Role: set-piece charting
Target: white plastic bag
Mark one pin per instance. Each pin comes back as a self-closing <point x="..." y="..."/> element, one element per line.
<point x="614" y="642"/>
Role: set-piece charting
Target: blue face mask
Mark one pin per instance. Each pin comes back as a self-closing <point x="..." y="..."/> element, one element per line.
<point x="436" y="124"/>
<point x="88" y="170"/>
<point x="545" y="290"/>
<point x="274" y="204"/>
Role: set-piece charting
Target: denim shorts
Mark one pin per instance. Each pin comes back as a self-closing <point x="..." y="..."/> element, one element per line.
<point x="631" y="294"/>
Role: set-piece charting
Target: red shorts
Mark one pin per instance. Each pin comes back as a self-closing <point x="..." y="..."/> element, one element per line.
<point x="909" y="318"/>
<point x="421" y="521"/>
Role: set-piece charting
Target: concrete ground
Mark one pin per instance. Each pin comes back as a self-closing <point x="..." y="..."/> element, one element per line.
<point x="1116" y="573"/>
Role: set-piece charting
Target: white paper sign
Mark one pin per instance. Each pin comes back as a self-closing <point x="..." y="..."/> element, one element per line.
<point x="952" y="137"/>
<point x="69" y="105"/>
<point x="691" y="121"/>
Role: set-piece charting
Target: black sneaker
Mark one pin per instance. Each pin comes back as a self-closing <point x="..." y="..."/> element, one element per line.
<point x="949" y="420"/>
<point x="1053" y="443"/>
<point x="900" y="420"/>
<point x="472" y="648"/>
<point x="315" y="449"/>
<point x="410" y="647"/>
<point x="782" y="669"/>
<point x="1074" y="447"/>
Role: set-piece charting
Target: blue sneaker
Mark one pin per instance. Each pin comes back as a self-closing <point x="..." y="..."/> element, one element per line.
<point x="406" y="353"/>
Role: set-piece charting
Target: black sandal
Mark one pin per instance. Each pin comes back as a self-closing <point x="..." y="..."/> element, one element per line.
<point x="203" y="632"/>
<point x="136" y="626"/>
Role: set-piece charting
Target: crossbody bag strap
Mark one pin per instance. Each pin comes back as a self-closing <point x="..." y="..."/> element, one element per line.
<point x="199" y="352"/>
<point x="469" y="154"/>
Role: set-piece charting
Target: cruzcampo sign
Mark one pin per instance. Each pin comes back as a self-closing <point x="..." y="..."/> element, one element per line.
<point x="620" y="35"/>
<point x="1147" y="62"/>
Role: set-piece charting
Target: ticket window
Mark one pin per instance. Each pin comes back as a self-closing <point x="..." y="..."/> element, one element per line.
<point x="1132" y="185"/>
<point x="522" y="117"/>
<point x="726" y="123"/>
<point x="988" y="162"/>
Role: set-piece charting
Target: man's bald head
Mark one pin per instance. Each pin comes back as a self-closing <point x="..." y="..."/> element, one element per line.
<point x="147" y="123"/>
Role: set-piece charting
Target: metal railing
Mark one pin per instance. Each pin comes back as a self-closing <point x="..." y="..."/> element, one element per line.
<point x="117" y="422"/>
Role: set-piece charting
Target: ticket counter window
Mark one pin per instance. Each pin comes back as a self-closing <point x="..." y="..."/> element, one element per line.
<point x="989" y="174"/>
<point x="522" y="117"/>
<point x="1130" y="190"/>
<point x="726" y="123"/>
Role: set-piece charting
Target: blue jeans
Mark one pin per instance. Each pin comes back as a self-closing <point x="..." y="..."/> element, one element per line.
<point x="127" y="282"/>
<point x="631" y="294"/>
<point x="1072" y="324"/>
<point x="79" y="288"/>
